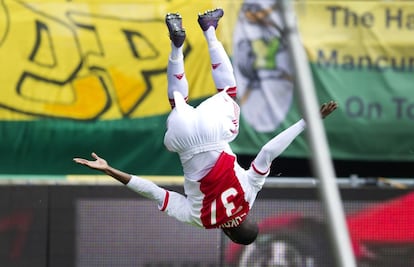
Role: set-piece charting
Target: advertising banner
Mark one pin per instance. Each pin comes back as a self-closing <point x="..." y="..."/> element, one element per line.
<point x="85" y="76"/>
<point x="361" y="56"/>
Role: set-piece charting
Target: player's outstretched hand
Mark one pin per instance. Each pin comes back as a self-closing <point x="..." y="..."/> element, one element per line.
<point x="97" y="164"/>
<point x="328" y="108"/>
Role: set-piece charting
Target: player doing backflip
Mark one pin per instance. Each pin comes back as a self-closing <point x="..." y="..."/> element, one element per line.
<point x="219" y="193"/>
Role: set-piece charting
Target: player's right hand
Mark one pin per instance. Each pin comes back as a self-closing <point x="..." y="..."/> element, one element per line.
<point x="97" y="164"/>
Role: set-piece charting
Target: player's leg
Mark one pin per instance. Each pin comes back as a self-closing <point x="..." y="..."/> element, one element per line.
<point x="275" y="147"/>
<point x="222" y="69"/>
<point x="176" y="78"/>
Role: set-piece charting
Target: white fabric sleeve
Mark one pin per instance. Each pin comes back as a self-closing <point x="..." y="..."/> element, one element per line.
<point x="178" y="207"/>
<point x="174" y="204"/>
<point x="276" y="146"/>
<point x="147" y="189"/>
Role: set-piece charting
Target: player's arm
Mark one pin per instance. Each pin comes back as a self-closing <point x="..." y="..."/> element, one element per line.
<point x="279" y="143"/>
<point x="100" y="164"/>
<point x="142" y="186"/>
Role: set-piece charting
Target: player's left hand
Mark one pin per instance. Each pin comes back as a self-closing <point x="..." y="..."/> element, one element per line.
<point x="328" y="108"/>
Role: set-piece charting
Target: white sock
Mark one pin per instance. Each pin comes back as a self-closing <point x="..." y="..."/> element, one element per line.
<point x="211" y="37"/>
<point x="176" y="52"/>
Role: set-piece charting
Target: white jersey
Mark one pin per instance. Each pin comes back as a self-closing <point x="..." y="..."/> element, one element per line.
<point x="221" y="199"/>
<point x="216" y="197"/>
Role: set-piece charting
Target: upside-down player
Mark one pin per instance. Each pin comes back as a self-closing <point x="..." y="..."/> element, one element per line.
<point x="218" y="192"/>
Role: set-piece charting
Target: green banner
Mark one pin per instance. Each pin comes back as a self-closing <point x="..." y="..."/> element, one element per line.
<point x="361" y="55"/>
<point x="85" y="76"/>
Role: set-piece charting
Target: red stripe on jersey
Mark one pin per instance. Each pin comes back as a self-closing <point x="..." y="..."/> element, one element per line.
<point x="257" y="170"/>
<point x="166" y="199"/>
<point x="224" y="198"/>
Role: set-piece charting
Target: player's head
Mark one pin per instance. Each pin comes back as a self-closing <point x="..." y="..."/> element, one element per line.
<point x="244" y="234"/>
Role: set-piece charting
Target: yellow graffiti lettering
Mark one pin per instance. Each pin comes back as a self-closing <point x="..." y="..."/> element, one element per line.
<point x="27" y="67"/>
<point x="86" y="89"/>
<point x="129" y="53"/>
<point x="90" y="60"/>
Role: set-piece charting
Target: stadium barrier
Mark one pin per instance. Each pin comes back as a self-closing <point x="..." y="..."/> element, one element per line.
<point x="94" y="221"/>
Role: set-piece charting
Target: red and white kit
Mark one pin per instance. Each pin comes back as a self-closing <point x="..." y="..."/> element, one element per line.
<point x="218" y="191"/>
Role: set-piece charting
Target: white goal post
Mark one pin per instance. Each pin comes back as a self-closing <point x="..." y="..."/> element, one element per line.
<point x="321" y="161"/>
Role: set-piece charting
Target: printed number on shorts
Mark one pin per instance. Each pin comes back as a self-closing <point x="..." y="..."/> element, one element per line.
<point x="224" y="198"/>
